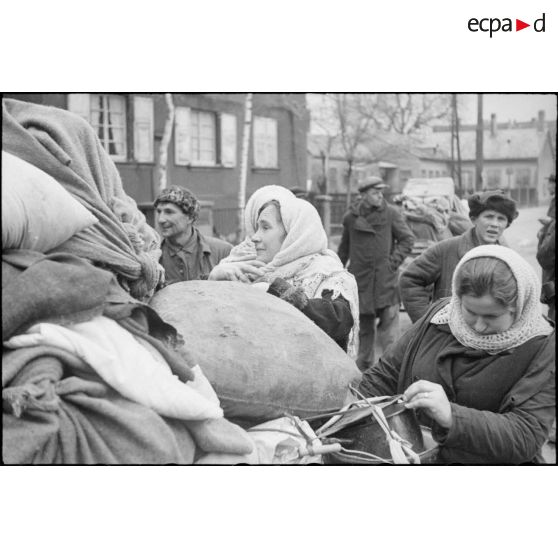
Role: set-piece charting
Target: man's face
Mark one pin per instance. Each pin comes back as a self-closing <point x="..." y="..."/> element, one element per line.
<point x="172" y="222"/>
<point x="374" y="197"/>
<point x="552" y="188"/>
<point x="490" y="225"/>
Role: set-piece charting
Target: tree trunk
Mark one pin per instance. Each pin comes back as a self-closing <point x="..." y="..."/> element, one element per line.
<point x="458" y="169"/>
<point x="479" y="153"/>
<point x="164" y="147"/>
<point x="349" y="175"/>
<point x="244" y="164"/>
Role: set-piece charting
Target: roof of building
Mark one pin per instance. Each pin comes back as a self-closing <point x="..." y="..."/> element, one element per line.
<point x="381" y="147"/>
<point x="506" y="143"/>
<point x="511" y="141"/>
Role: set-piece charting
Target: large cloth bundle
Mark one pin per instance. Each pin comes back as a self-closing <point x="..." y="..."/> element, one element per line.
<point x="66" y="147"/>
<point x="262" y="355"/>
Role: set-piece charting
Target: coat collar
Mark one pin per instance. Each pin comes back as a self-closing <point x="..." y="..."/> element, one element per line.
<point x="197" y="239"/>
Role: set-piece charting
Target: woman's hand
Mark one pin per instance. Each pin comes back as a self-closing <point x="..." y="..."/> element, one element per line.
<point x="432" y="399"/>
<point x="246" y="272"/>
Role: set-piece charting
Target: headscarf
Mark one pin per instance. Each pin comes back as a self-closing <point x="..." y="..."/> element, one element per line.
<point x="304" y="258"/>
<point x="528" y="322"/>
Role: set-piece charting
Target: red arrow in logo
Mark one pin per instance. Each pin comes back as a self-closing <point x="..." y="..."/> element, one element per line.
<point x="519" y="25"/>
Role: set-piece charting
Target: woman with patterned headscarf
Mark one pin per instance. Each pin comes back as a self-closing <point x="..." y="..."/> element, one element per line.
<point x="478" y="367"/>
<point x="286" y="248"/>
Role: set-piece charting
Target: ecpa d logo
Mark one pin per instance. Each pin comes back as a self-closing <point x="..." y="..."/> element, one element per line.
<point x="492" y="25"/>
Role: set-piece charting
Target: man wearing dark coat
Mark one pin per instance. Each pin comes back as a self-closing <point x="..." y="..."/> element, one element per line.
<point x="375" y="242"/>
<point x="428" y="277"/>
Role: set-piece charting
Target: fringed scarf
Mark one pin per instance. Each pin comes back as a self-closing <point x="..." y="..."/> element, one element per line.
<point x="529" y="321"/>
<point x="304" y="259"/>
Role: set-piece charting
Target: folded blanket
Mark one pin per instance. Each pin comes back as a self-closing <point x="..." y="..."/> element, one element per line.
<point x="58" y="410"/>
<point x="67" y="148"/>
<point x="135" y="371"/>
<point x="58" y="288"/>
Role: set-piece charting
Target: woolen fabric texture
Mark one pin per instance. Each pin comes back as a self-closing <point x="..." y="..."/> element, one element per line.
<point x="66" y="147"/>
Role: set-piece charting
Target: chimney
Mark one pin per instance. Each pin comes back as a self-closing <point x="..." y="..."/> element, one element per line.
<point x="540" y="121"/>
<point x="493" y="125"/>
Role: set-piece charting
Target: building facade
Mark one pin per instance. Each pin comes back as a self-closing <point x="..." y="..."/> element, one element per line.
<point x="205" y="148"/>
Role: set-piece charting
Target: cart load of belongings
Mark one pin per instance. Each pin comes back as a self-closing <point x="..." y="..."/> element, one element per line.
<point x="90" y="372"/>
<point x="367" y="431"/>
<point x="427" y="222"/>
<point x="439" y="193"/>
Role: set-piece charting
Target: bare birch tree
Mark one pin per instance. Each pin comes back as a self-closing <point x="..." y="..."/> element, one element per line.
<point x="165" y="141"/>
<point x="244" y="164"/>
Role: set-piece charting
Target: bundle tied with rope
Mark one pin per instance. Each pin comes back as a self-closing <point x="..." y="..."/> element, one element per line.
<point x="377" y="430"/>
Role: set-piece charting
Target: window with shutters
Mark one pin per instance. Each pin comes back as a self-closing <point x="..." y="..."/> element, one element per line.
<point x="182" y="155"/>
<point x="265" y="143"/>
<point x="228" y="139"/>
<point x="203" y="138"/>
<point x="143" y="130"/>
<point x="107" y="115"/>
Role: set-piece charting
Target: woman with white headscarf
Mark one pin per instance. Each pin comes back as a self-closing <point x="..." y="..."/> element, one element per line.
<point x="286" y="247"/>
<point x="478" y="367"/>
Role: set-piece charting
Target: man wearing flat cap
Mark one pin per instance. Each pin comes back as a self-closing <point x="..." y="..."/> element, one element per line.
<point x="187" y="254"/>
<point x="429" y="276"/>
<point x="375" y="241"/>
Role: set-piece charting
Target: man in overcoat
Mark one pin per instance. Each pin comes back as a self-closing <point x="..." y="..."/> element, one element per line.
<point x="375" y="241"/>
<point x="428" y="277"/>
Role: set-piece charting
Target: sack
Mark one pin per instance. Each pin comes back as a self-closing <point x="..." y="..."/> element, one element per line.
<point x="458" y="224"/>
<point x="262" y="356"/>
<point x="37" y="212"/>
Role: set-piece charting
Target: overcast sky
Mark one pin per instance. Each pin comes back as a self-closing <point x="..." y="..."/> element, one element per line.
<point x="520" y="107"/>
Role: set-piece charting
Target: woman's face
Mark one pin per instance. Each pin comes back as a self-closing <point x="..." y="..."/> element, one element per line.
<point x="485" y="315"/>
<point x="269" y="235"/>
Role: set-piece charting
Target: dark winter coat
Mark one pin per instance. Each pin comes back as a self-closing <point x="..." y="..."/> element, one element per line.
<point x="546" y="251"/>
<point x="502" y="405"/>
<point x="433" y="269"/>
<point x="375" y="242"/>
<point x="194" y="262"/>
